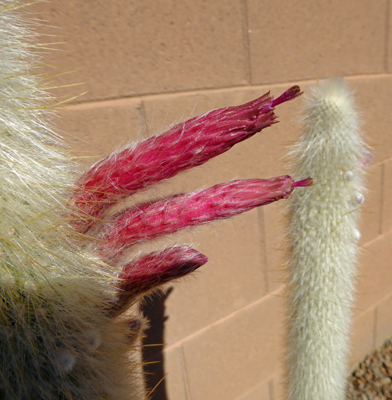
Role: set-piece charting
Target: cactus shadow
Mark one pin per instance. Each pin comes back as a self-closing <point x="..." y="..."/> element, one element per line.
<point x="153" y="344"/>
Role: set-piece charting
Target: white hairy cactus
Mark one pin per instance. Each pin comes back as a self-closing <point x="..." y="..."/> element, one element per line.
<point x="53" y="295"/>
<point x="324" y="239"/>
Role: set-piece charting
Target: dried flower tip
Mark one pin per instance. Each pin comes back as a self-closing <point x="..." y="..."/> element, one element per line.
<point x="303" y="182"/>
<point x="154" y="270"/>
<point x="288" y="95"/>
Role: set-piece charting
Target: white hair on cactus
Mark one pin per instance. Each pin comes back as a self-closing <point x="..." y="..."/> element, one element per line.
<point x="323" y="235"/>
<point x="51" y="290"/>
<point x="65" y="361"/>
<point x="93" y="339"/>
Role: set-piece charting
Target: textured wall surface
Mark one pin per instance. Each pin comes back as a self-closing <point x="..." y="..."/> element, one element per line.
<point x="145" y="64"/>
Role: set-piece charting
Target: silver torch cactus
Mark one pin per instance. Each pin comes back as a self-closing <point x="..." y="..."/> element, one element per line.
<point x="324" y="240"/>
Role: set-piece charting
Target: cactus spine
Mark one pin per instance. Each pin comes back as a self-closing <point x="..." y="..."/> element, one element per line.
<point x="323" y="237"/>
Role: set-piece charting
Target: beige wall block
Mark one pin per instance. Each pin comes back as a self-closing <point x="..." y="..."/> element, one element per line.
<point x="275" y="219"/>
<point x="94" y="131"/>
<point x="389" y="41"/>
<point x="386" y="219"/>
<point x="233" y="278"/>
<point x="301" y="40"/>
<point x="383" y="320"/>
<point x="127" y="48"/>
<point x="279" y="387"/>
<point x="375" y="273"/>
<point x="237" y="353"/>
<point x="372" y="96"/>
<point x="175" y="374"/>
<point x="362" y="336"/>
<point x="260" y="392"/>
<point x="370" y="213"/>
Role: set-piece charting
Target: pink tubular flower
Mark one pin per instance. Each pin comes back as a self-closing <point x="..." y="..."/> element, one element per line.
<point x="154" y="270"/>
<point x="151" y="220"/>
<point x="184" y="146"/>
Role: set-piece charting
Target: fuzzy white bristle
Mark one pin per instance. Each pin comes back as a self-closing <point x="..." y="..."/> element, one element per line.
<point x="65" y="361"/>
<point x="324" y="235"/>
<point x="52" y="292"/>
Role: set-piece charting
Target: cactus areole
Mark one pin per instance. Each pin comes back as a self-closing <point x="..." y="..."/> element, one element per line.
<point x="66" y="330"/>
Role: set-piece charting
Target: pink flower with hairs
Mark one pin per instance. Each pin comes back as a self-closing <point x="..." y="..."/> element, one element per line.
<point x="184" y="146"/>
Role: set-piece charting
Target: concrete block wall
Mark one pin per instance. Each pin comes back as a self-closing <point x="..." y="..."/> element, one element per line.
<point x="146" y="64"/>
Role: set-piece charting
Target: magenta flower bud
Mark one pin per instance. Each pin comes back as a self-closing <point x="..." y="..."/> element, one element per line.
<point x="151" y="220"/>
<point x="154" y="270"/>
<point x="184" y="146"/>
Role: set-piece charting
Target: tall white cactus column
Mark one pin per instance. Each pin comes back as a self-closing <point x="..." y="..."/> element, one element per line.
<point x="324" y="240"/>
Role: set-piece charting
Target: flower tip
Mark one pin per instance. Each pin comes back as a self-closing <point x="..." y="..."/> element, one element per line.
<point x="191" y="260"/>
<point x="304" y="182"/>
<point x="288" y="95"/>
<point x="201" y="259"/>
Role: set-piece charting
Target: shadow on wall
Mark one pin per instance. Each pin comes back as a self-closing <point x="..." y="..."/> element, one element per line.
<point x="153" y="344"/>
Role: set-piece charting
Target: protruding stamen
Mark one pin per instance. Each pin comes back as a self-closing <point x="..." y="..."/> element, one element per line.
<point x="303" y="182"/>
<point x="288" y="95"/>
